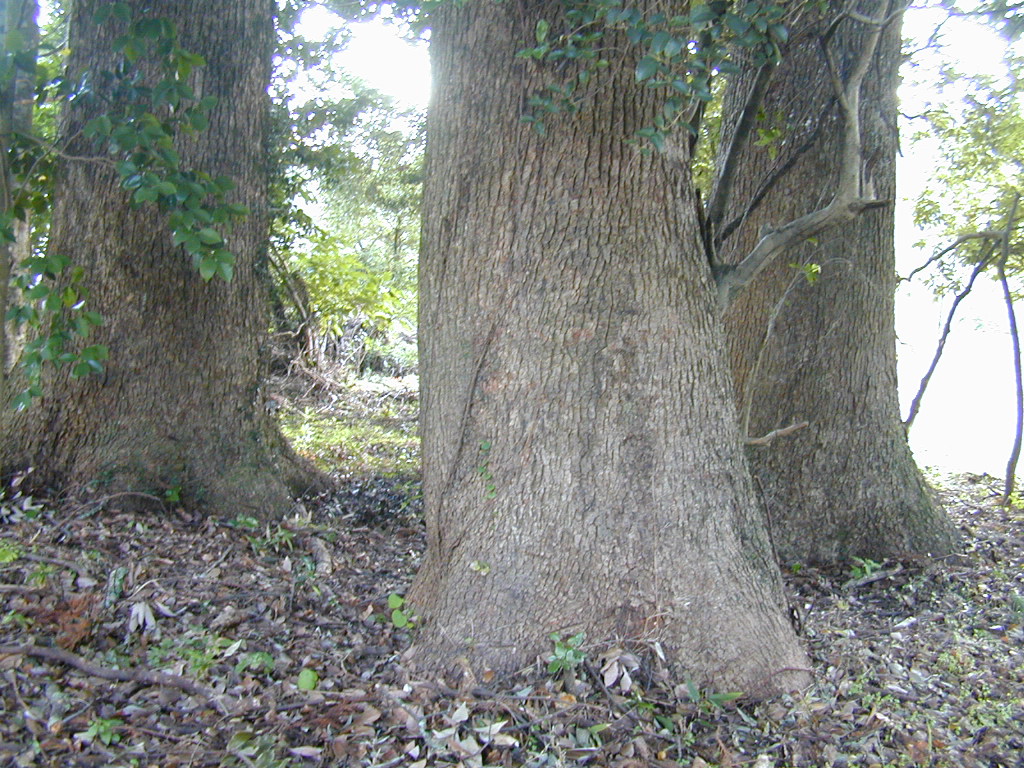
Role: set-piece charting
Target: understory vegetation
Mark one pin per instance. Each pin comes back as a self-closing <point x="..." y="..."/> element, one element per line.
<point x="176" y="640"/>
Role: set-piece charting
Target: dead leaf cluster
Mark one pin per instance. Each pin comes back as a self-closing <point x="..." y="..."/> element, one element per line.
<point x="128" y="640"/>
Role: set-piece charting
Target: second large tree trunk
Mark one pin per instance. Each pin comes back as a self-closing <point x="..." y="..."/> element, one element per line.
<point x="179" y="408"/>
<point x="846" y="485"/>
<point x="582" y="469"/>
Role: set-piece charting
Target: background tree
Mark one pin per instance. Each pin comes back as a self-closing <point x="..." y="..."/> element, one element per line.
<point x="178" y="409"/>
<point x="20" y="39"/>
<point x="813" y="339"/>
<point x="345" y="191"/>
<point x="971" y="206"/>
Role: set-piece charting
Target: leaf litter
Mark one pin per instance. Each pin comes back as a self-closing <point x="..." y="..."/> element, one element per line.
<point x="168" y="640"/>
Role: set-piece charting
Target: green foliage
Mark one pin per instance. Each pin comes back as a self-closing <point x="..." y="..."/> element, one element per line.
<point x="680" y="54"/>
<point x="709" y="700"/>
<point x="255" y="661"/>
<point x="811" y="271"/>
<point x="863" y="566"/>
<point x="379" y="446"/>
<point x="254" y="750"/>
<point x="140" y="122"/>
<point x="245" y="522"/>
<point x="9" y="551"/>
<point x="568" y="654"/>
<point x="401" y="617"/>
<point x="346" y="179"/>
<point x="55" y="307"/>
<point x="198" y="649"/>
<point x="770" y="133"/>
<point x="976" y="122"/>
<point x="18" y="619"/>
<point x="484" y="470"/>
<point x="102" y="729"/>
<point x="40" y="574"/>
<point x="308" y="680"/>
<point x="275" y="539"/>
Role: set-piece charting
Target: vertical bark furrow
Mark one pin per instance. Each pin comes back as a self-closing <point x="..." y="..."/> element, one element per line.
<point x="578" y="428"/>
<point x="179" y="406"/>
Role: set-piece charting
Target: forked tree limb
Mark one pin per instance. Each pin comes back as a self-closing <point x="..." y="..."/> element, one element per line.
<point x="986" y="234"/>
<point x="854" y="193"/>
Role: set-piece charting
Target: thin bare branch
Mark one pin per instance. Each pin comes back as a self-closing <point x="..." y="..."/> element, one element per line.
<point x="724" y="184"/>
<point x="1011" y="464"/>
<point x="915" y="406"/>
<point x="987" y="234"/>
<point x="748" y="392"/>
<point x="768" y="184"/>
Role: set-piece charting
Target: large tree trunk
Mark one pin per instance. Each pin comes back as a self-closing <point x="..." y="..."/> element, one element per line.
<point x="19" y="37"/>
<point x="582" y="468"/>
<point x="179" y="405"/>
<point x="825" y="353"/>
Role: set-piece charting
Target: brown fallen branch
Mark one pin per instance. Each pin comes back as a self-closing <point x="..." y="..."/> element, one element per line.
<point x="780" y="432"/>
<point x="144" y="676"/>
<point x="21" y="590"/>
<point x="78" y="568"/>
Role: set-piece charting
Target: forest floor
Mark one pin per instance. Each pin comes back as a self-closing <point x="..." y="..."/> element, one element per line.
<point x="173" y="640"/>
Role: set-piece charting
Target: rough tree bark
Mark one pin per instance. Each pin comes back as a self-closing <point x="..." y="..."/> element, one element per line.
<point x="825" y="353"/>
<point x="20" y="37"/>
<point x="180" y="404"/>
<point x="582" y="467"/>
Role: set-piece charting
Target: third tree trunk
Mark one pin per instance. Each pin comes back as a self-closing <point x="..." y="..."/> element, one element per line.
<point x="824" y="352"/>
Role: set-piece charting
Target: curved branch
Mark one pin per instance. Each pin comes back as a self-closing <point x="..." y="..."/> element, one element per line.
<point x="853" y="194"/>
<point x="983" y="235"/>
<point x="915" y="406"/>
<point x="723" y="186"/>
<point x="1011" y="464"/>
<point x="780" y="432"/>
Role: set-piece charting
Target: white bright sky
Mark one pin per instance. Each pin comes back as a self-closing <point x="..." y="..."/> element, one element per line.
<point x="967" y="419"/>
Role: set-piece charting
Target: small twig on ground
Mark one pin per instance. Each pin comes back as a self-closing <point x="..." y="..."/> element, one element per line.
<point x="70" y="565"/>
<point x="21" y="590"/>
<point x="872" y="577"/>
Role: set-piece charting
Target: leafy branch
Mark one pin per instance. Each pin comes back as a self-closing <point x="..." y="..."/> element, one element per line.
<point x="680" y="54"/>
